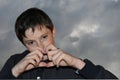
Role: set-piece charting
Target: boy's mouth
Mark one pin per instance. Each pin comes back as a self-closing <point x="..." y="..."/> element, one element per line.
<point x="45" y="59"/>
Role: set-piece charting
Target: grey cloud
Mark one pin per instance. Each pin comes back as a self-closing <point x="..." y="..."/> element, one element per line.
<point x="103" y="44"/>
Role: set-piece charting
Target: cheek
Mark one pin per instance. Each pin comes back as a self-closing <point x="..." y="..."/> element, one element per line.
<point x="48" y="42"/>
<point x="31" y="49"/>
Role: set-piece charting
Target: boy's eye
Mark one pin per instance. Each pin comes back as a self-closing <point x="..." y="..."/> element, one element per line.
<point x="44" y="37"/>
<point x="30" y="42"/>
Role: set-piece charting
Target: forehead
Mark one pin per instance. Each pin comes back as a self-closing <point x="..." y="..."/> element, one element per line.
<point x="37" y="31"/>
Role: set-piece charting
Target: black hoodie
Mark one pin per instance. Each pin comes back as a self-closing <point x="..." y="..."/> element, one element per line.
<point x="90" y="71"/>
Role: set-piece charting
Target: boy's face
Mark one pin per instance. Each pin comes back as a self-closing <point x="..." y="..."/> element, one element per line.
<point x="40" y="38"/>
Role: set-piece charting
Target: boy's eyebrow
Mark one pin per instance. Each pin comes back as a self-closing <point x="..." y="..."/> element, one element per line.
<point x="44" y="34"/>
<point x="40" y="37"/>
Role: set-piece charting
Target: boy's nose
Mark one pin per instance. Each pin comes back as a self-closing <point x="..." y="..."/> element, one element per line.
<point x="41" y="47"/>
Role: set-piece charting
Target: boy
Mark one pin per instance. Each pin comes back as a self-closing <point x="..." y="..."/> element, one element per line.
<point x="43" y="59"/>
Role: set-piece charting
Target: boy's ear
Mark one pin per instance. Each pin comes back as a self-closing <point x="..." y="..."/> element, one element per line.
<point x="54" y="32"/>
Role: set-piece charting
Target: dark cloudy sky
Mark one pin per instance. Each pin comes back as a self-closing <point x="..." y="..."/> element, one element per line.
<point x="85" y="28"/>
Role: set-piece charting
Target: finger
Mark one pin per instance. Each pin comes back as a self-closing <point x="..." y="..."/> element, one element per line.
<point x="53" y="49"/>
<point x="45" y="57"/>
<point x="30" y="64"/>
<point x="50" y="47"/>
<point x="57" y="55"/>
<point x="39" y="53"/>
<point x="35" y="57"/>
<point x="50" y="64"/>
<point x="59" y="58"/>
<point x="24" y="63"/>
<point x="52" y="53"/>
<point x="42" y="64"/>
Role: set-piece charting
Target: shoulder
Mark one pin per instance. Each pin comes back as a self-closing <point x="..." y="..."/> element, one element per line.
<point x="17" y="57"/>
<point x="14" y="59"/>
<point x="23" y="54"/>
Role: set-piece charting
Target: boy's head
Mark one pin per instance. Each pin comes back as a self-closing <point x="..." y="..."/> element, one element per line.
<point x="30" y="19"/>
<point x="35" y="29"/>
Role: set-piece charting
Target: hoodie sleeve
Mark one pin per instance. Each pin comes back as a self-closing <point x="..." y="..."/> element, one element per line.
<point x="91" y="71"/>
<point x="6" y="73"/>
